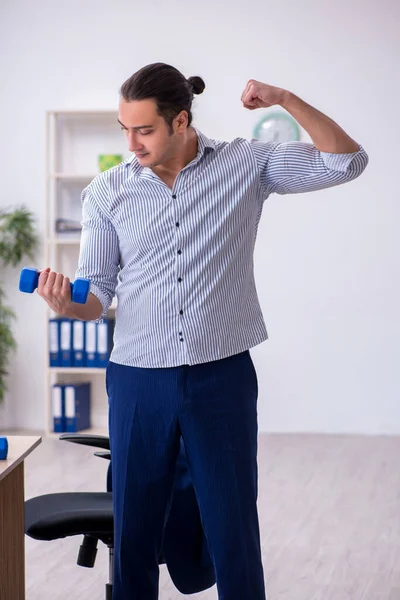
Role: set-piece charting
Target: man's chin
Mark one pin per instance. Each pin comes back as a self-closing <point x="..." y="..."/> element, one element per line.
<point x="148" y="163"/>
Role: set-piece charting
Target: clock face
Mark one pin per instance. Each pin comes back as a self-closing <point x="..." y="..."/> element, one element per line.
<point x="277" y="128"/>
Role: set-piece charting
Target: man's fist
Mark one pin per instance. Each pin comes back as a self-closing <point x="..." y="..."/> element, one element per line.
<point x="55" y="289"/>
<point x="261" y="95"/>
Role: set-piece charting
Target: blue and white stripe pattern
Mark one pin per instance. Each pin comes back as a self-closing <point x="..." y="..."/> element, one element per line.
<point x="180" y="261"/>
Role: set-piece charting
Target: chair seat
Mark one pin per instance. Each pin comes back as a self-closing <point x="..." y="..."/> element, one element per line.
<point x="54" y="516"/>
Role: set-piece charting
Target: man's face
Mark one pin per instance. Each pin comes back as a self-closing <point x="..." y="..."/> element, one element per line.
<point x="148" y="134"/>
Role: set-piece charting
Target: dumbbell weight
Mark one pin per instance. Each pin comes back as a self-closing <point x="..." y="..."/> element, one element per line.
<point x="29" y="279"/>
<point x="3" y="448"/>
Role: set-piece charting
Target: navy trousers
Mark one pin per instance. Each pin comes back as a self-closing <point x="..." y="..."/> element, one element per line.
<point x="213" y="406"/>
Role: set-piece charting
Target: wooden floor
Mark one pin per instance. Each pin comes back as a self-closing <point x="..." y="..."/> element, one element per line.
<point x="329" y="512"/>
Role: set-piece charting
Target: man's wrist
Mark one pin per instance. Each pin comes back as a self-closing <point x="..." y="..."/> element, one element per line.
<point x="287" y="99"/>
<point x="70" y="312"/>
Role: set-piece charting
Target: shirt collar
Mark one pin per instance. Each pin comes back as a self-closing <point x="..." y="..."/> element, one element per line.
<point x="203" y="142"/>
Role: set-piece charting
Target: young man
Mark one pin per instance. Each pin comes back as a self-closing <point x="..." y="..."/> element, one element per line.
<point x="172" y="232"/>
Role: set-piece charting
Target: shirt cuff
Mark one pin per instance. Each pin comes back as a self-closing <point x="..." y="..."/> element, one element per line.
<point x="103" y="298"/>
<point x="339" y="162"/>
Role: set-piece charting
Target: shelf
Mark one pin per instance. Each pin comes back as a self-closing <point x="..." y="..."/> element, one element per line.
<point x="75" y="138"/>
<point x="78" y="370"/>
<point x="73" y="178"/>
<point x="59" y="241"/>
<point x="91" y="431"/>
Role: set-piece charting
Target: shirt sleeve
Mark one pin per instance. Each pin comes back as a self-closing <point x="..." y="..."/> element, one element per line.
<point x="296" y="167"/>
<point x="99" y="255"/>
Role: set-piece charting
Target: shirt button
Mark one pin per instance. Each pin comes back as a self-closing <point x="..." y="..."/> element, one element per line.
<point x="177" y="224"/>
<point x="181" y="312"/>
<point x="181" y="340"/>
<point x="179" y="251"/>
<point x="179" y="279"/>
<point x="174" y="196"/>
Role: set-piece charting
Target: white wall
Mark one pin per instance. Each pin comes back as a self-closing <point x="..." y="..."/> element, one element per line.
<point x="327" y="263"/>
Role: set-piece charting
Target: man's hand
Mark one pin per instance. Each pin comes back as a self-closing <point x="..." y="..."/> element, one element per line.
<point x="55" y="289"/>
<point x="261" y="95"/>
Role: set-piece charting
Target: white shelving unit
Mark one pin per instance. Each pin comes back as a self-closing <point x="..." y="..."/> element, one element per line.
<point x="75" y="138"/>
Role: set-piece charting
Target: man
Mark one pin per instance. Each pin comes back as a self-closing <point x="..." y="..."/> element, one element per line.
<point x="172" y="232"/>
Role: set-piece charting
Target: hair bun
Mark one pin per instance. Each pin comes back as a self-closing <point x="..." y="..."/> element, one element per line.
<point x="197" y="84"/>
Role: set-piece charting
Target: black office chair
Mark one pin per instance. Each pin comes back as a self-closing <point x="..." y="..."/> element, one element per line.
<point x="53" y="516"/>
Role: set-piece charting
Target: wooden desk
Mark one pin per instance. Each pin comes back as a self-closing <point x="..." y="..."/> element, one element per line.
<point x="12" y="526"/>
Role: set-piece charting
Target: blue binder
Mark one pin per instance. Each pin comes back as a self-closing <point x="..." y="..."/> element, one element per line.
<point x="58" y="408"/>
<point x="54" y="342"/>
<point x="65" y="343"/>
<point x="90" y="343"/>
<point x="77" y="407"/>
<point x="78" y="344"/>
<point x="105" y="332"/>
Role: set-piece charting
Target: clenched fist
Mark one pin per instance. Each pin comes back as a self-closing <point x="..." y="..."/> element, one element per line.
<point x="261" y="95"/>
<point x="55" y="289"/>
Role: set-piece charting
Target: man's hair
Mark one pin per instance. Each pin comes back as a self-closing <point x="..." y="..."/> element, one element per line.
<point x="170" y="89"/>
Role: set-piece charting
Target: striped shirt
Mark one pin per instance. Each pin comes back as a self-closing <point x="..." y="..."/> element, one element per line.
<point x="180" y="260"/>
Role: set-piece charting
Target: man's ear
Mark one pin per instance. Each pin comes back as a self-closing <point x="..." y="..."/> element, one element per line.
<point x="181" y="122"/>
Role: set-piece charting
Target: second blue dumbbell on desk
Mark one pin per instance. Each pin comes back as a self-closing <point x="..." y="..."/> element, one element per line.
<point x="29" y="279"/>
<point x="3" y="448"/>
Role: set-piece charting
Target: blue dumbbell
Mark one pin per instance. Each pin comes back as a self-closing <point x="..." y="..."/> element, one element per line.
<point x="3" y="448"/>
<point x="29" y="279"/>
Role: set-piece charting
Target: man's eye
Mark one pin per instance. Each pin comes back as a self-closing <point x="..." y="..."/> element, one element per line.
<point x="145" y="132"/>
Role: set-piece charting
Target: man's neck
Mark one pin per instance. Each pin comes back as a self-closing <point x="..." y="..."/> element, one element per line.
<point x="171" y="168"/>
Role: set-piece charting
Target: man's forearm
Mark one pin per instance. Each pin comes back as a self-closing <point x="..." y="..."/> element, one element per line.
<point x="326" y="135"/>
<point x="90" y="311"/>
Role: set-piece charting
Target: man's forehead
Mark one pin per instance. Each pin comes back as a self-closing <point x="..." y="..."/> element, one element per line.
<point x="138" y="109"/>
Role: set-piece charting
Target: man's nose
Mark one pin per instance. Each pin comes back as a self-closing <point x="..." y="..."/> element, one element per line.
<point x="134" y="143"/>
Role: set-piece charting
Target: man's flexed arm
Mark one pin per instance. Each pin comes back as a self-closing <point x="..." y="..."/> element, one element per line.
<point x="332" y="159"/>
<point x="327" y="136"/>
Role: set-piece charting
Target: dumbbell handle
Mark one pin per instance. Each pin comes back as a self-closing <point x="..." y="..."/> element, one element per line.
<point x="29" y="280"/>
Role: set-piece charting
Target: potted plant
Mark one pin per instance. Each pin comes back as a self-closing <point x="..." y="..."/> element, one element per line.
<point x="17" y="239"/>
